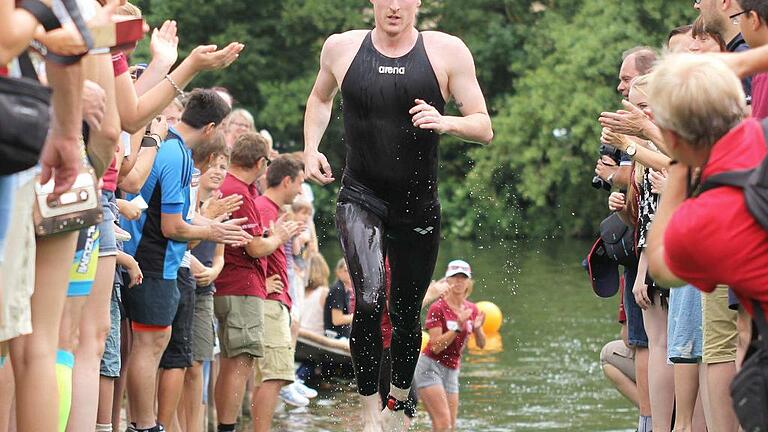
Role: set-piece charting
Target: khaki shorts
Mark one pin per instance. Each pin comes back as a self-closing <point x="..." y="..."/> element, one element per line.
<point x="18" y="267"/>
<point x="618" y="355"/>
<point x="719" y="327"/>
<point x="241" y="327"/>
<point x="277" y="363"/>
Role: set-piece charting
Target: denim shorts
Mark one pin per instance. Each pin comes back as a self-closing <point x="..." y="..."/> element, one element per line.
<point x="7" y="199"/>
<point x="684" y="330"/>
<point x="430" y="372"/>
<point x="107" y="241"/>
<point x="635" y="327"/>
<point x="110" y="361"/>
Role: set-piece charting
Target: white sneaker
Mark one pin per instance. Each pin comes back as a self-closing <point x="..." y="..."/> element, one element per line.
<point x="307" y="392"/>
<point x="291" y="396"/>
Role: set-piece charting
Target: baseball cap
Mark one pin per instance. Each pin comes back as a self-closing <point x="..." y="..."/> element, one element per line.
<point x="603" y="271"/>
<point x="458" y="266"/>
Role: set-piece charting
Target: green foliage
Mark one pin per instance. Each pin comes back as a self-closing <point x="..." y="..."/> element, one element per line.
<point x="543" y="65"/>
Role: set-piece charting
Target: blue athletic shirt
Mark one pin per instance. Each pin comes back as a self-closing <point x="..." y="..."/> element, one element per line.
<point x="167" y="190"/>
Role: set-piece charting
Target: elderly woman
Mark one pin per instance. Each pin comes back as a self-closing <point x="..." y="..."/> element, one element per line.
<point x="237" y="123"/>
<point x="709" y="238"/>
<point x="450" y="321"/>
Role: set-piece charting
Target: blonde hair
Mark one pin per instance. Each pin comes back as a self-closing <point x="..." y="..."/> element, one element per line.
<point x="128" y="9"/>
<point x="242" y="113"/>
<point x="640" y="83"/>
<point x="341" y="264"/>
<point x="696" y="96"/>
<point x="301" y="204"/>
<point x="318" y="272"/>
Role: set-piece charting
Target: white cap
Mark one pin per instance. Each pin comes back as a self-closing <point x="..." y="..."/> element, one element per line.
<point x="458" y="266"/>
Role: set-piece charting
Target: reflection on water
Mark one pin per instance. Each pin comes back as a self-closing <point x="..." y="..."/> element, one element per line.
<point x="546" y="378"/>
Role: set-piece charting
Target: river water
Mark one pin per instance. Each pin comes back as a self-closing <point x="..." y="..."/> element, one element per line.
<point x="547" y="376"/>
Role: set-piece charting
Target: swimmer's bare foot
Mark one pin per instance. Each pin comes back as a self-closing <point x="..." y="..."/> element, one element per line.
<point x="393" y="418"/>
<point x="369" y="412"/>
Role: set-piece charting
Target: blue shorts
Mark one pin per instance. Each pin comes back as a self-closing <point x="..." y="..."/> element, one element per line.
<point x="108" y="243"/>
<point x="7" y="199"/>
<point x="684" y="326"/>
<point x="635" y="327"/>
<point x="733" y="301"/>
<point x="153" y="302"/>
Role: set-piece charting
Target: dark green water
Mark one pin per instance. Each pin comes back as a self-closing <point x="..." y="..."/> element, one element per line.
<point x="547" y="378"/>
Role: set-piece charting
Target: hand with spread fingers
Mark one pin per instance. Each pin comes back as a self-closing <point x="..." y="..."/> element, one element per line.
<point x="230" y="233"/>
<point x="620" y="141"/>
<point x="629" y="121"/>
<point x="208" y="57"/>
<point x="164" y="43"/>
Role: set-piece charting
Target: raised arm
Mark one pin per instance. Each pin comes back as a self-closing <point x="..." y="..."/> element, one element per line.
<point x="318" y="114"/>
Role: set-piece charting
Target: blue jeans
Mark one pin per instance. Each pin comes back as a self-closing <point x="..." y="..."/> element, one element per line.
<point x="635" y="326"/>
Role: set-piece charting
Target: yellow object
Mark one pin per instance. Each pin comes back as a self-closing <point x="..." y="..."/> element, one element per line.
<point x="424" y="340"/>
<point x="493" y="317"/>
<point x="493" y="345"/>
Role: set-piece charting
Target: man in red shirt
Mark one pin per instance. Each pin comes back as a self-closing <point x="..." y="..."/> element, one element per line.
<point x="275" y="369"/>
<point x="711" y="238"/>
<point x="242" y="285"/>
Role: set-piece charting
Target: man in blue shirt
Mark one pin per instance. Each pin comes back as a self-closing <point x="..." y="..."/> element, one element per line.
<point x="158" y="242"/>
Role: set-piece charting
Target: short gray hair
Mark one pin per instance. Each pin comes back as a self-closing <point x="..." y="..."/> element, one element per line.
<point x="696" y="96"/>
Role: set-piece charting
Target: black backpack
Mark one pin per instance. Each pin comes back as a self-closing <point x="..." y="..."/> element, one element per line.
<point x="749" y="388"/>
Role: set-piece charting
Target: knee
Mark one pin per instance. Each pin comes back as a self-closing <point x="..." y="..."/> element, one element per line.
<point x="369" y="307"/>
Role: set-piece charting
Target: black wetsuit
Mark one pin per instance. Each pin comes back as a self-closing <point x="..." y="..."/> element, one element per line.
<point x="388" y="204"/>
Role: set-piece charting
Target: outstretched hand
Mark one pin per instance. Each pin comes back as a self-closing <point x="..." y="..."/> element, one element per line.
<point x="208" y="57"/>
<point x="164" y="43"/>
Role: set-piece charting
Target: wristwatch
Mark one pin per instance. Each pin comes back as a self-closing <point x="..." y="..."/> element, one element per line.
<point x="631" y="150"/>
<point x="151" y="140"/>
<point x="452" y="326"/>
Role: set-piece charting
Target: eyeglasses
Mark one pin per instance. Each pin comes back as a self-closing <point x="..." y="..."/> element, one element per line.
<point x="241" y="125"/>
<point x="267" y="160"/>
<point x="735" y="17"/>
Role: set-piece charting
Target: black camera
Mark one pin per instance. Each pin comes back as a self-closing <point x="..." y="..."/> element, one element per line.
<point x="613" y="153"/>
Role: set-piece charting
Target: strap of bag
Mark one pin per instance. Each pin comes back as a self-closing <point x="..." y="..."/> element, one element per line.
<point x="26" y="66"/>
<point x="42" y="13"/>
<point x="762" y="326"/>
<point x="77" y="19"/>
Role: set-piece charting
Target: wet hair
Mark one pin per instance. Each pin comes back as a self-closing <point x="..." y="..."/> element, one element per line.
<point x="204" y="107"/>
<point x="210" y="149"/>
<point x="318" y="272"/>
<point x="247" y="149"/>
<point x="678" y="31"/>
<point x="282" y="167"/>
<point x="645" y="57"/>
<point x="699" y="28"/>
<point x="759" y="6"/>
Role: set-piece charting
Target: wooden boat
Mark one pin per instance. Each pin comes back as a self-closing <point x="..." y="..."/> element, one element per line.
<point x="322" y="349"/>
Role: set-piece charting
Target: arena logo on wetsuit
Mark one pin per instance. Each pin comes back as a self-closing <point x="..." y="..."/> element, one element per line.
<point x="392" y="70"/>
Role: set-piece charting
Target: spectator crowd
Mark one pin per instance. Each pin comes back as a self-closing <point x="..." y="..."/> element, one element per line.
<point x="694" y="264"/>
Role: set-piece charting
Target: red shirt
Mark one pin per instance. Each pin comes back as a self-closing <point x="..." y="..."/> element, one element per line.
<point x="713" y="239"/>
<point x="440" y="313"/>
<point x="760" y="96"/>
<point x="276" y="261"/>
<point x="242" y="274"/>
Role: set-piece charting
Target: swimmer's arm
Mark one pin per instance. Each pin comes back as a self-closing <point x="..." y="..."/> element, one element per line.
<point x="320" y="102"/>
<point x="440" y="340"/>
<point x="474" y="124"/>
<point x="675" y="193"/>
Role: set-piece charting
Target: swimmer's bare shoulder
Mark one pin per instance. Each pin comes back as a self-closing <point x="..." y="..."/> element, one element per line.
<point x="339" y="50"/>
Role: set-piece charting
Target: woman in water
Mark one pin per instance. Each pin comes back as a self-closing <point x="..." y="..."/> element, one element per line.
<point x="450" y="321"/>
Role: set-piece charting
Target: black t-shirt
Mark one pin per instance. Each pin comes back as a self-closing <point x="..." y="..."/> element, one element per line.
<point x="204" y="253"/>
<point x="338" y="298"/>
<point x="738" y="44"/>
